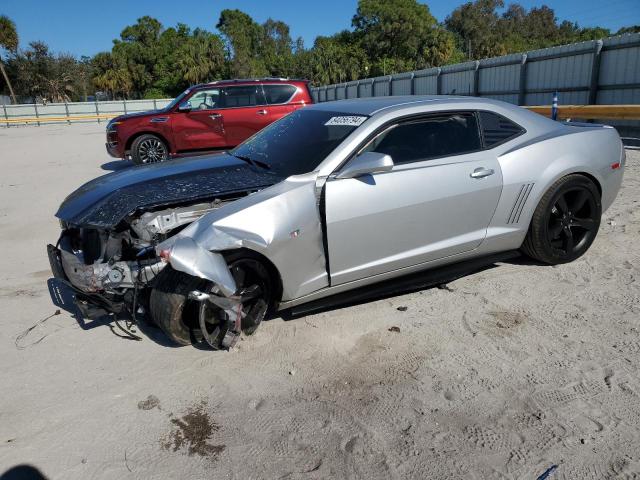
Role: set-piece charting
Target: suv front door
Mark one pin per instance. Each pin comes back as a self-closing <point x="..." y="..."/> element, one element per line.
<point x="245" y="112"/>
<point x="202" y="127"/>
<point x="437" y="201"/>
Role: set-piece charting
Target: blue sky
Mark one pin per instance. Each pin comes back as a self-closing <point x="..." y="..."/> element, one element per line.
<point x="85" y="27"/>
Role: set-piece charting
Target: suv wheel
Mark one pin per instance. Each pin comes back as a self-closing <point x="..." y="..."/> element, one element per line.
<point x="148" y="149"/>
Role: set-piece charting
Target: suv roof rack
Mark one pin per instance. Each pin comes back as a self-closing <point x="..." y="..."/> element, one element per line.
<point x="261" y="79"/>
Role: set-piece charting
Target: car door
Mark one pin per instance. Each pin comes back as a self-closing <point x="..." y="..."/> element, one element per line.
<point x="245" y="112"/>
<point x="202" y="126"/>
<point x="437" y="201"/>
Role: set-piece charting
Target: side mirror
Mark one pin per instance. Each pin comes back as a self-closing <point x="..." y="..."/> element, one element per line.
<point x="185" y="106"/>
<point x="368" y="162"/>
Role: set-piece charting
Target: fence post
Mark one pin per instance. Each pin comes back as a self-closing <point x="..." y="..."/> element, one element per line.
<point x="66" y="109"/>
<point x="346" y="91"/>
<point x="358" y="89"/>
<point x="476" y="79"/>
<point x="124" y="103"/>
<point x="438" y="81"/>
<point x="595" y="73"/>
<point x="412" y="89"/>
<point x="155" y="106"/>
<point x="97" y="110"/>
<point x="6" y="117"/>
<point x="35" y="107"/>
<point x="390" y="85"/>
<point x="522" y="90"/>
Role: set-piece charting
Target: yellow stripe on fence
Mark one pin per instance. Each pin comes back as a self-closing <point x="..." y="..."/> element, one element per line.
<point x="605" y="112"/>
<point x="70" y="118"/>
<point x="608" y="112"/>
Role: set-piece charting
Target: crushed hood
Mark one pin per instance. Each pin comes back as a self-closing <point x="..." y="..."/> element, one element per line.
<point x="105" y="201"/>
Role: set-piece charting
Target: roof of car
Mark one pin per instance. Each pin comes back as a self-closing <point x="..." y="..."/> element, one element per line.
<point x="373" y="105"/>
<point x="254" y="80"/>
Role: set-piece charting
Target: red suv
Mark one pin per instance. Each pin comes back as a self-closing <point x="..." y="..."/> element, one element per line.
<point x="210" y="116"/>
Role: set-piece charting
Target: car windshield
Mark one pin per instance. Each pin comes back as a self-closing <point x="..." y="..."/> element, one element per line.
<point x="177" y="100"/>
<point x="299" y="142"/>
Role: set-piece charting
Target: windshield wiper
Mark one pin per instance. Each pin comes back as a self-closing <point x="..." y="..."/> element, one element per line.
<point x="255" y="163"/>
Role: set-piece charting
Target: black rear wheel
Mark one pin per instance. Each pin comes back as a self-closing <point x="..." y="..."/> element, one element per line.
<point x="565" y="222"/>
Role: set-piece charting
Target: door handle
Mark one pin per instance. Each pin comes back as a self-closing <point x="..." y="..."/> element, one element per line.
<point x="262" y="112"/>
<point x="482" y="172"/>
<point x="215" y="116"/>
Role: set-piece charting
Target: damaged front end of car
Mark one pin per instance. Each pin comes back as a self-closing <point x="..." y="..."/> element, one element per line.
<point x="111" y="226"/>
<point x="107" y="268"/>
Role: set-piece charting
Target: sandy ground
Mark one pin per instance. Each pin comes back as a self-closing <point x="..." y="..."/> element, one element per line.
<point x="502" y="374"/>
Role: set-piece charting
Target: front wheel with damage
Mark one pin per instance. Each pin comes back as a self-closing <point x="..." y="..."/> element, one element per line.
<point x="221" y="320"/>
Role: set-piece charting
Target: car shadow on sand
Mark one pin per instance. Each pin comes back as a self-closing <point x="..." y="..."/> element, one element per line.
<point x="419" y="281"/>
<point x="63" y="297"/>
<point x="117" y="165"/>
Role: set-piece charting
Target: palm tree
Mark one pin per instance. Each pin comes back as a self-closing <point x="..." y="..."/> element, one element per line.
<point x="8" y="41"/>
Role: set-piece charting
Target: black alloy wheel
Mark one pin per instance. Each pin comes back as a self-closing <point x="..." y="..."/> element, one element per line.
<point x="572" y="221"/>
<point x="565" y="222"/>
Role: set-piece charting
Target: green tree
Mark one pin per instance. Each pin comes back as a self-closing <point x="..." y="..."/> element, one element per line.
<point x="276" y="48"/>
<point x="402" y="34"/>
<point x="201" y="58"/>
<point x="478" y="27"/>
<point x="8" y="41"/>
<point x="243" y="38"/>
<point x="337" y="59"/>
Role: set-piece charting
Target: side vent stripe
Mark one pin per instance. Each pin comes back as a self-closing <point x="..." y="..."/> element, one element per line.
<point x="514" y="205"/>
<point x="518" y="206"/>
<point x="526" y="197"/>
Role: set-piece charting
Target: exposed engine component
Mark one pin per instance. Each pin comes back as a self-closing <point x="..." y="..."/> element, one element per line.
<point x="151" y="224"/>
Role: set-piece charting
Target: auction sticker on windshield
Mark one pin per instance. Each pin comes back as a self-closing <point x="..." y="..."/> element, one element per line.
<point x="351" y="121"/>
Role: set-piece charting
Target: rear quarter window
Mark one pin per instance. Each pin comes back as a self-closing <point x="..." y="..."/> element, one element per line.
<point x="278" y="93"/>
<point x="497" y="129"/>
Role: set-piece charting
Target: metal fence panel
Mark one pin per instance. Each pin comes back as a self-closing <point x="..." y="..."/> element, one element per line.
<point x="381" y="86"/>
<point x="366" y="89"/>
<point x="401" y="84"/>
<point x="425" y="82"/>
<point x="606" y="71"/>
<point x="352" y="90"/>
<point x="458" y="79"/>
<point x="499" y="75"/>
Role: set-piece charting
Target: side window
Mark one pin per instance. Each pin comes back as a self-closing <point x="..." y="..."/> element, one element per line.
<point x="247" y="96"/>
<point x="437" y="136"/>
<point x="277" y="94"/>
<point x="205" y="99"/>
<point x="496" y="129"/>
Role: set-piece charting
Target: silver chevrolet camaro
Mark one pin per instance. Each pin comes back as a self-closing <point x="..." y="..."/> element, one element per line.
<point x="330" y="199"/>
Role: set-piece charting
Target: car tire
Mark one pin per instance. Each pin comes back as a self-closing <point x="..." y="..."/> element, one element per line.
<point x="170" y="306"/>
<point x="149" y="148"/>
<point x="179" y="317"/>
<point x="248" y="271"/>
<point x="565" y="222"/>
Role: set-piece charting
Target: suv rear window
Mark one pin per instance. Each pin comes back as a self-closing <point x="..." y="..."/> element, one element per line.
<point x="431" y="137"/>
<point x="248" y="96"/>
<point x="278" y="93"/>
<point x="496" y="129"/>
